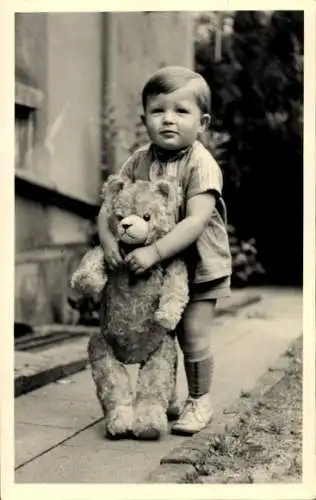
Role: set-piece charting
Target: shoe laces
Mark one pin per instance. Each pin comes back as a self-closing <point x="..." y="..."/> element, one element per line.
<point x="190" y="407"/>
<point x="194" y="408"/>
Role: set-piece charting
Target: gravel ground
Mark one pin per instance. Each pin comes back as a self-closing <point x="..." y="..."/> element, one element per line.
<point x="266" y="444"/>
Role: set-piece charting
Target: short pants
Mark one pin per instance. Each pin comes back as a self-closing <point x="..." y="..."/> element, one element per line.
<point x="215" y="289"/>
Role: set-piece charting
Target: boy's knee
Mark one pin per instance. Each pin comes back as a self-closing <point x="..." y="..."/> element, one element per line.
<point x="193" y="335"/>
<point x="194" y="326"/>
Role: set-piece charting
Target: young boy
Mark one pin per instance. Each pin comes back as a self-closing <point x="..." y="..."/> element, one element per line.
<point x="176" y="104"/>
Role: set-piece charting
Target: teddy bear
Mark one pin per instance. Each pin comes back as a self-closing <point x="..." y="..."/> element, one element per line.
<point x="138" y="313"/>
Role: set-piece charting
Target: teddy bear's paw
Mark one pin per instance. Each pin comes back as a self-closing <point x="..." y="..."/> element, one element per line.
<point x="166" y="321"/>
<point x="88" y="284"/>
<point x="150" y="421"/>
<point x="98" y="285"/>
<point x="119" y="422"/>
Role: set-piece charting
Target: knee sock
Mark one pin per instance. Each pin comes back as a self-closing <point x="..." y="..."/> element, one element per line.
<point x="199" y="375"/>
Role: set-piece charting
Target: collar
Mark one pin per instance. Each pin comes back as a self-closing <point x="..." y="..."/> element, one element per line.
<point x="165" y="155"/>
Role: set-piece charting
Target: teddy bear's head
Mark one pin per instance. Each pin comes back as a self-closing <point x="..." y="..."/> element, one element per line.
<point x="140" y="212"/>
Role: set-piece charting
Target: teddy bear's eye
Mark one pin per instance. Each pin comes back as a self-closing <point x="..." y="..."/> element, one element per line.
<point x="146" y="217"/>
<point x="119" y="217"/>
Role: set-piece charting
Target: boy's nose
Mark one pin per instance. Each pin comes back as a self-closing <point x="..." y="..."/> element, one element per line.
<point x="168" y="117"/>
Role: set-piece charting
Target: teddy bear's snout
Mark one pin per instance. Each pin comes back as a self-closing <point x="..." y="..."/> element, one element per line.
<point x="133" y="229"/>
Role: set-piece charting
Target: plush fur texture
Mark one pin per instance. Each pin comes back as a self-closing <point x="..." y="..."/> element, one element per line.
<point x="138" y="315"/>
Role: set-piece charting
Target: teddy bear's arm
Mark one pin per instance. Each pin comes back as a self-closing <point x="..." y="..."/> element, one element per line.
<point x="174" y="295"/>
<point x="90" y="277"/>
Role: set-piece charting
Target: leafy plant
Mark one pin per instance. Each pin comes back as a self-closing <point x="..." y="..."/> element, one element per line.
<point x="257" y="134"/>
<point x="247" y="270"/>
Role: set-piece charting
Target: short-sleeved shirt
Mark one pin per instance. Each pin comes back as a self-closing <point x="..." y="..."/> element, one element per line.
<point x="195" y="171"/>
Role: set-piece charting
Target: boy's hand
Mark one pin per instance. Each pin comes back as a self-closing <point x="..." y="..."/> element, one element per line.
<point x="141" y="259"/>
<point x="112" y="256"/>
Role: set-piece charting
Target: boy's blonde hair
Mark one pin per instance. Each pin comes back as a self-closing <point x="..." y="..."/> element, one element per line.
<point x="171" y="78"/>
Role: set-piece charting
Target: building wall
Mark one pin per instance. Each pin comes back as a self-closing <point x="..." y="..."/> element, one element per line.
<point x="59" y="57"/>
<point x="60" y="54"/>
<point x="74" y="104"/>
<point x="141" y="42"/>
<point x="38" y="226"/>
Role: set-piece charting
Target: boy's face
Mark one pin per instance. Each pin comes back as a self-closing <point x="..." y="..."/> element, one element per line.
<point x="173" y="121"/>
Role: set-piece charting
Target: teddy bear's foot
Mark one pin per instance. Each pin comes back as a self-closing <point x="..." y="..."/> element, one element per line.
<point x="174" y="410"/>
<point x="119" y="422"/>
<point x="150" y="421"/>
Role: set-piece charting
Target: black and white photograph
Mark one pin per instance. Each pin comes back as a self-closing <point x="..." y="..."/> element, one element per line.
<point x="161" y="326"/>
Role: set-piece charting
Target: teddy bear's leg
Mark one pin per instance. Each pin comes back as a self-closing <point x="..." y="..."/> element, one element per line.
<point x="113" y="387"/>
<point x="155" y="386"/>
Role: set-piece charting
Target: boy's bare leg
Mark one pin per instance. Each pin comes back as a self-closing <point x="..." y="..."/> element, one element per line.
<point x="194" y="337"/>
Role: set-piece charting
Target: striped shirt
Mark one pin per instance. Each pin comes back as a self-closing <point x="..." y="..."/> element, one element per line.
<point x="195" y="171"/>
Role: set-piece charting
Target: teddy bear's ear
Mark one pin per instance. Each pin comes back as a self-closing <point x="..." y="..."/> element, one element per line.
<point x="169" y="191"/>
<point x="112" y="186"/>
<point x="165" y="188"/>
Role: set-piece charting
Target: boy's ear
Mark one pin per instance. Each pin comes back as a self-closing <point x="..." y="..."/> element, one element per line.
<point x="205" y="121"/>
<point x="143" y="119"/>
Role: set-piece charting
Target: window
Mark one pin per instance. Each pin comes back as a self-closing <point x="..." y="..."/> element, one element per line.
<point x="27" y="100"/>
<point x="24" y="136"/>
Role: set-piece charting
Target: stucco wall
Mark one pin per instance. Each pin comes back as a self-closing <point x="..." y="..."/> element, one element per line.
<point x="39" y="226"/>
<point x="141" y="42"/>
<point x="74" y="102"/>
<point x="60" y="54"/>
<point x="31" y="69"/>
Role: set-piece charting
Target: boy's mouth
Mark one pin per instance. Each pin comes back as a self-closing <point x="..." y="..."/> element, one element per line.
<point x="169" y="132"/>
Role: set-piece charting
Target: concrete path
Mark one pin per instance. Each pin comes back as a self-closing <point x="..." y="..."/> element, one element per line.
<point x="58" y="428"/>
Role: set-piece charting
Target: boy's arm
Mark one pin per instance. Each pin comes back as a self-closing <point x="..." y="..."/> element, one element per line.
<point x="186" y="232"/>
<point x="204" y="186"/>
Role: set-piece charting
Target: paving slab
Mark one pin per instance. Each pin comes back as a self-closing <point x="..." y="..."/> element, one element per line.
<point x="47" y="416"/>
<point x="245" y="345"/>
<point x="89" y="466"/>
<point x="55" y="412"/>
<point x="32" y="440"/>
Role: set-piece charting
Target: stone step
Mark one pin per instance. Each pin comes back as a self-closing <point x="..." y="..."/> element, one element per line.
<point x="49" y="335"/>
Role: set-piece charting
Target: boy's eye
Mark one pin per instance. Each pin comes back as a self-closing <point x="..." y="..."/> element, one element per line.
<point x="182" y="110"/>
<point x="146" y="217"/>
<point x="157" y="110"/>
